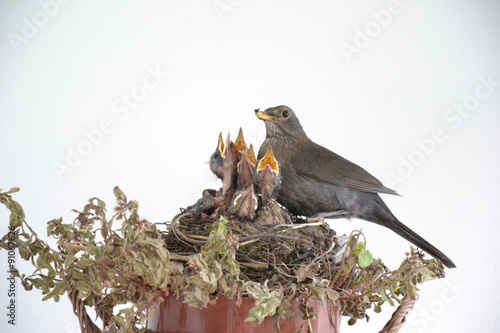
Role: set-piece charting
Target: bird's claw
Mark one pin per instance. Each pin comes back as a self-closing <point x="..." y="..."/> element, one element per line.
<point x="328" y="215"/>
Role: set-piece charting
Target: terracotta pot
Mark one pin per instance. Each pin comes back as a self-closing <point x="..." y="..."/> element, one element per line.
<point x="225" y="317"/>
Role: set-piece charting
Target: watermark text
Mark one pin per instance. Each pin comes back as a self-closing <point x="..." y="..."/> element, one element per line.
<point x="453" y="119"/>
<point x="11" y="279"/>
<point x="122" y="107"/>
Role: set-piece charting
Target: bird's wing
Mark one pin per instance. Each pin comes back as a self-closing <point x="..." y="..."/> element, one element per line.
<point x="316" y="162"/>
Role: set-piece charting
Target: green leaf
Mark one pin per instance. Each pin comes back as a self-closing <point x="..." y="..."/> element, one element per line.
<point x="360" y="247"/>
<point x="365" y="259"/>
<point x="332" y="295"/>
<point x="119" y="195"/>
<point x="13" y="190"/>
<point x="255" y="314"/>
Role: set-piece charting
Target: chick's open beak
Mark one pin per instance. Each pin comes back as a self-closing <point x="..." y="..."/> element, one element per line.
<point x="270" y="160"/>
<point x="251" y="154"/>
<point x="222" y="146"/>
<point x="240" y="142"/>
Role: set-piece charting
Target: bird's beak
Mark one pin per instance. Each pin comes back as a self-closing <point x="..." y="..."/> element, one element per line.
<point x="270" y="160"/>
<point x="221" y="146"/>
<point x="251" y="154"/>
<point x="263" y="116"/>
<point x="240" y="142"/>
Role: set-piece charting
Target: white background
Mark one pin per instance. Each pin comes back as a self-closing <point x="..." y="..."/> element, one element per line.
<point x="66" y="68"/>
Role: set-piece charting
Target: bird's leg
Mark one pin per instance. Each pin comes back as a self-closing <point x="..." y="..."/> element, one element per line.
<point x="328" y="215"/>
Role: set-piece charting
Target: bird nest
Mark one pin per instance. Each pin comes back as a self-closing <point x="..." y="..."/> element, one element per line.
<point x="303" y="260"/>
<point x="282" y="254"/>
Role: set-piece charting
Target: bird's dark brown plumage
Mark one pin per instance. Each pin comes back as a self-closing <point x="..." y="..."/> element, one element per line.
<point x="318" y="182"/>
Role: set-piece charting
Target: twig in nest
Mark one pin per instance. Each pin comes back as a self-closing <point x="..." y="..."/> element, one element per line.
<point x="297" y="226"/>
<point x="203" y="238"/>
<point x="270" y="235"/>
<point x="249" y="242"/>
<point x="180" y="234"/>
<point x="178" y="257"/>
<point x="255" y="265"/>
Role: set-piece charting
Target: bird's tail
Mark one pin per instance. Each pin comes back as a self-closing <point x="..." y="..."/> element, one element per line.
<point x="410" y="235"/>
<point x="383" y="216"/>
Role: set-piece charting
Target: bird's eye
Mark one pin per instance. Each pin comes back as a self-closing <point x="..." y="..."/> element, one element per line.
<point x="285" y="113"/>
<point x="216" y="155"/>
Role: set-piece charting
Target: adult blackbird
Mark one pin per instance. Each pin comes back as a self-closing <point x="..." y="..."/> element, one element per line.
<point x="316" y="182"/>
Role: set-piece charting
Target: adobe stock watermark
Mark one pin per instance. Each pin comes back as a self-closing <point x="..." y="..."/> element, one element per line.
<point x="422" y="318"/>
<point x="121" y="108"/>
<point x="453" y="119"/>
<point x="364" y="36"/>
<point x="222" y="7"/>
<point x="39" y="20"/>
<point x="11" y="279"/>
